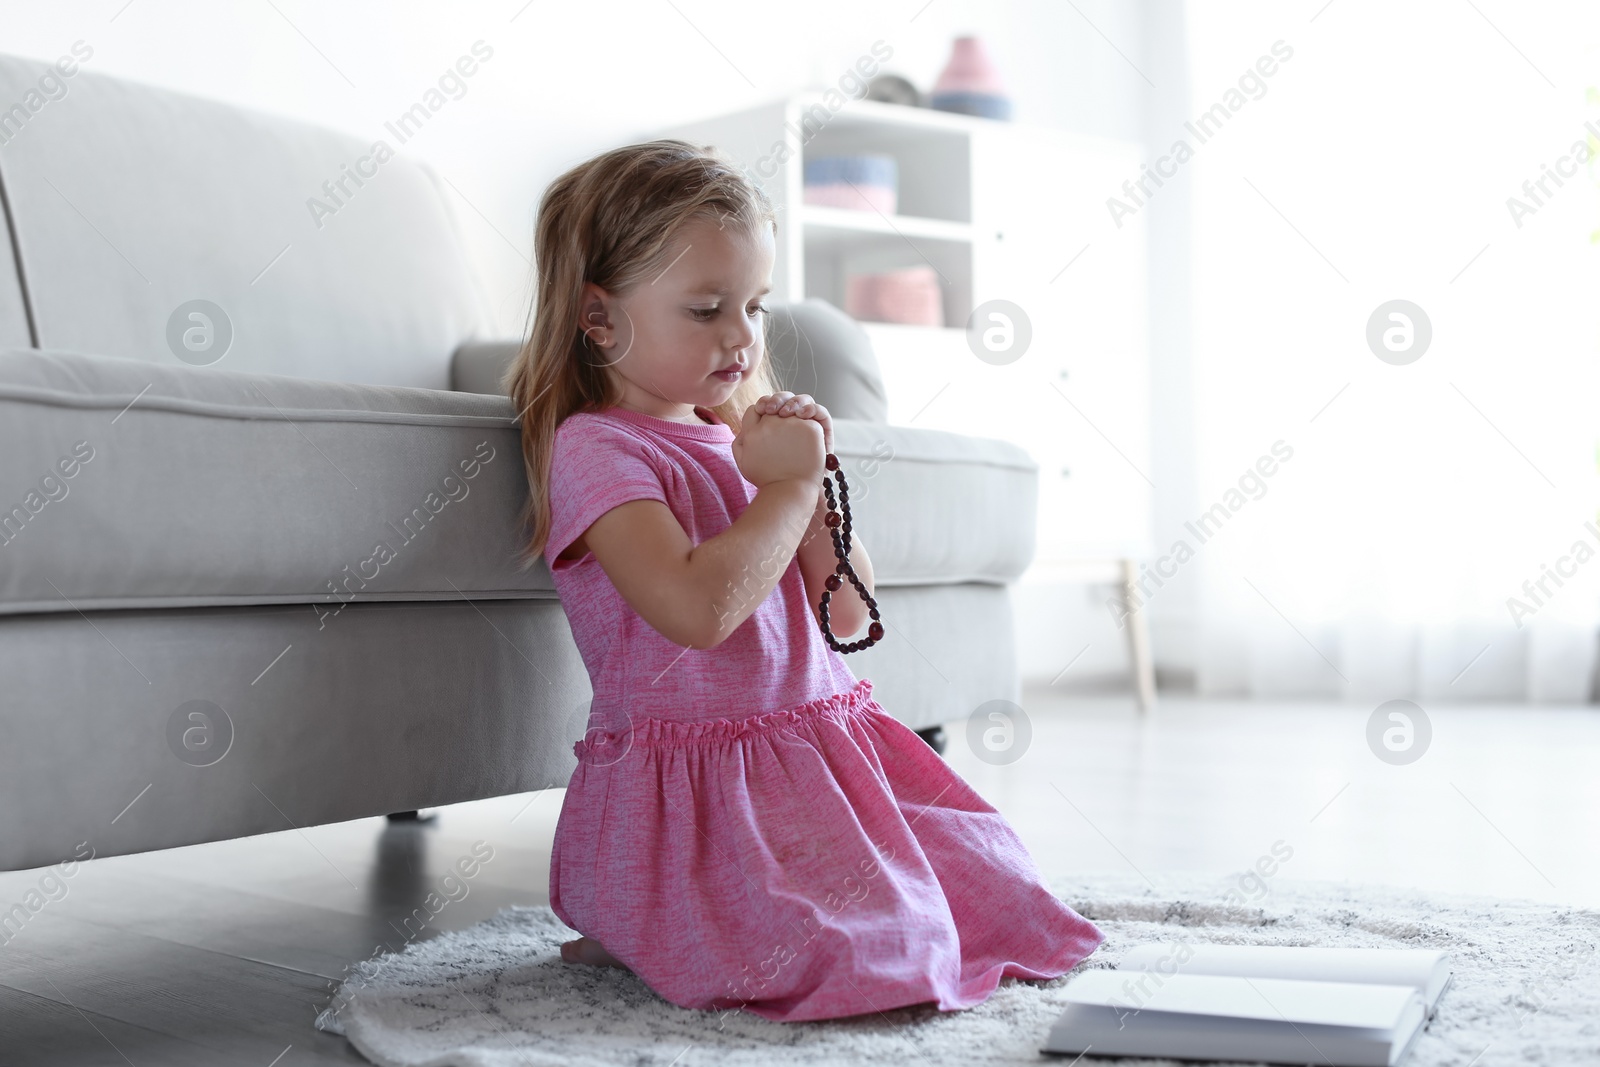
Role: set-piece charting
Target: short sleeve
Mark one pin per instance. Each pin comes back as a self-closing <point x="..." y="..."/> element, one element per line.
<point x="595" y="466"/>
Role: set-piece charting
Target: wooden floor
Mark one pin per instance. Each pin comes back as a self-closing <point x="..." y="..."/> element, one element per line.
<point x="223" y="953"/>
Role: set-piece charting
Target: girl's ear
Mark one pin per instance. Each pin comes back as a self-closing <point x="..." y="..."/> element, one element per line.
<point x="594" y="318"/>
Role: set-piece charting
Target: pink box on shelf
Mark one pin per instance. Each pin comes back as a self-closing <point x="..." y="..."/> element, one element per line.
<point x="857" y="198"/>
<point x="910" y="297"/>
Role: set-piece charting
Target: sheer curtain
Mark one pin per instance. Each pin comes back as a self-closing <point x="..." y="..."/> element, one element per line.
<point x="1426" y="528"/>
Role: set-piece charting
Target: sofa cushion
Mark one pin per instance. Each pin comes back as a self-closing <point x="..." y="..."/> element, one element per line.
<point x="130" y="201"/>
<point x="126" y="484"/>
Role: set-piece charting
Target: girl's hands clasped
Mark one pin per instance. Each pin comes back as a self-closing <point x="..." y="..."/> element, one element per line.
<point x="800" y="406"/>
<point x="771" y="448"/>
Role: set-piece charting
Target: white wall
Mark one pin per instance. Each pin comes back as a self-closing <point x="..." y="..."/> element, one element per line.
<point x="566" y="81"/>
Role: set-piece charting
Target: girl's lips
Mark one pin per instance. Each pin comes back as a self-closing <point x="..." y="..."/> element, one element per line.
<point x="727" y="375"/>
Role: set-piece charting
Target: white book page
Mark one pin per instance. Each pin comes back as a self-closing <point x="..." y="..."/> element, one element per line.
<point x="1423" y="969"/>
<point x="1102" y="1031"/>
<point x="1354" y="1005"/>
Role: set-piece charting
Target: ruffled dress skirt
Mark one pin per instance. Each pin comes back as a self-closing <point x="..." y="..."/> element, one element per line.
<point x="809" y="863"/>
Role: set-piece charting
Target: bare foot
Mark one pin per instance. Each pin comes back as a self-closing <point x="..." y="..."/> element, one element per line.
<point x="588" y="950"/>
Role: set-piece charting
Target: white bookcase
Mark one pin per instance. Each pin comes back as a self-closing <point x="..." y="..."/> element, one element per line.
<point x="1001" y="211"/>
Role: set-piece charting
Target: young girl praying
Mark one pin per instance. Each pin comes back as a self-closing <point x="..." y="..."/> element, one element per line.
<point x="747" y="828"/>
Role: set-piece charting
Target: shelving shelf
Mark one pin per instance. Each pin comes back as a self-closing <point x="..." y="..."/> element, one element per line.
<point x="876" y="113"/>
<point x="837" y="225"/>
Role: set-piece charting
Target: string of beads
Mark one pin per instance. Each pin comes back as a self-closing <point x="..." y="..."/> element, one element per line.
<point x="839" y="528"/>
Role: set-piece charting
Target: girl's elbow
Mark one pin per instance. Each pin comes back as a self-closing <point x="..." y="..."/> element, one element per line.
<point x="710" y="632"/>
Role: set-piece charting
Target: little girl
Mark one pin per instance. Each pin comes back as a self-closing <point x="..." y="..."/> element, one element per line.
<point x="746" y="827"/>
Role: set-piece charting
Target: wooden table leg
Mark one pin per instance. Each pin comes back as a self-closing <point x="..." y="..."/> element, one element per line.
<point x="1144" y="674"/>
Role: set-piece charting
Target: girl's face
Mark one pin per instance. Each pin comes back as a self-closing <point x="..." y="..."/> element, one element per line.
<point x="667" y="340"/>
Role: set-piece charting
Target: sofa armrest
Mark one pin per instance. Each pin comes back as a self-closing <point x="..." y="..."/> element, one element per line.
<point x="481" y="366"/>
<point x="938" y="508"/>
<point x="135" y="485"/>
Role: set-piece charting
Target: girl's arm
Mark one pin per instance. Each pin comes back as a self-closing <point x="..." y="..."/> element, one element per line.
<point x="847" y="612"/>
<point x="696" y="595"/>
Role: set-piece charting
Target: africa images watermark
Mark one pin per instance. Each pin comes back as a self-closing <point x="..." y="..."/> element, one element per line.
<point x="51" y="86"/>
<point x="1252" y="81"/>
<point x="336" y="191"/>
<point x="1536" y="994"/>
<point x="52" y="887"/>
<point x="851" y="85"/>
<point x="1252" y="481"/>
<point x="1537" y="590"/>
<point x="452" y="889"/>
<point x="1250" y="886"/>
<point x="853" y="888"/>
<point x="1582" y="152"/>
<point x="15" y="519"/>
<point x="411" y="527"/>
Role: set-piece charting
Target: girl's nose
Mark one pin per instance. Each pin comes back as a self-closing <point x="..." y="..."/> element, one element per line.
<point x="743" y="338"/>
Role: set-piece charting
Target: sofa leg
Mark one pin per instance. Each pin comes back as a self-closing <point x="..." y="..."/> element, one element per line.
<point x="934" y="735"/>
<point x="404" y="816"/>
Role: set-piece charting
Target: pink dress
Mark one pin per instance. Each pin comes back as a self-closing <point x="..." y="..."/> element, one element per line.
<point x="746" y="826"/>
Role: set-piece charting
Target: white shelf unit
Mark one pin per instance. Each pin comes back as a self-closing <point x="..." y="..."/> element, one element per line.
<point x="819" y="246"/>
<point x="1001" y="211"/>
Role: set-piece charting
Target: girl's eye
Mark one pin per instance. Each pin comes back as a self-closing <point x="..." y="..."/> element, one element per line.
<point x="704" y="314"/>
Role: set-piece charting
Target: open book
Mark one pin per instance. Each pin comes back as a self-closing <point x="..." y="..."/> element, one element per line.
<point x="1348" y="1007"/>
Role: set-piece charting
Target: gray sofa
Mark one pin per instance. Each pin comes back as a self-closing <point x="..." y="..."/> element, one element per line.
<point x="256" y="566"/>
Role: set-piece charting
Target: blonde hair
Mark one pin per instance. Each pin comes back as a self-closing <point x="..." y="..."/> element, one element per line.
<point x="611" y="221"/>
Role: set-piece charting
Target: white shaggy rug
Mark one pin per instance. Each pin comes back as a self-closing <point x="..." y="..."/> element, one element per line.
<point x="1526" y="991"/>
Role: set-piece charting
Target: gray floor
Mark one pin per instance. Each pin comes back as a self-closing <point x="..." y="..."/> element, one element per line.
<point x="223" y="953"/>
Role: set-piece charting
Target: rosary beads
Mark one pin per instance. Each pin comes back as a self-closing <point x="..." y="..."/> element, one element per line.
<point x="840" y="529"/>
